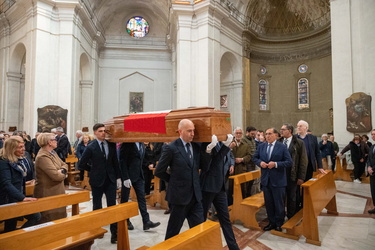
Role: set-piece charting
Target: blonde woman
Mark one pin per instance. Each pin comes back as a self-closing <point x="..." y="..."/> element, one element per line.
<point x="13" y="174"/>
<point x="50" y="174"/>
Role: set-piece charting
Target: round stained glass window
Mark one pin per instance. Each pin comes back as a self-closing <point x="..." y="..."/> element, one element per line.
<point x="137" y="27"/>
<point x="302" y="68"/>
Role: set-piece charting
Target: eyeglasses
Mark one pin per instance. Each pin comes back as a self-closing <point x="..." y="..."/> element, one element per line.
<point x="269" y="133"/>
<point x="53" y="140"/>
<point x="282" y="129"/>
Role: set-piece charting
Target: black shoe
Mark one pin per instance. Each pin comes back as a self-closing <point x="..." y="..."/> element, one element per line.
<point x="113" y="239"/>
<point x="149" y="224"/>
<point x="371" y="211"/>
<point x="269" y="227"/>
<point x="130" y="225"/>
<point x="167" y="211"/>
<point x="278" y="229"/>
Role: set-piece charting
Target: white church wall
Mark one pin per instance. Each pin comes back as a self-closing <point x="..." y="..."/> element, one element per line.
<point x="353" y="57"/>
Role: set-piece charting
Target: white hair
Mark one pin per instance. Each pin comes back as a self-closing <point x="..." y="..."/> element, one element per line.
<point x="237" y="128"/>
<point x="79" y="132"/>
<point x="304" y="123"/>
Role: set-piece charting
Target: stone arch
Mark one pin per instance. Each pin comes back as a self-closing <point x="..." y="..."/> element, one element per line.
<point x="15" y="88"/>
<point x="231" y="86"/>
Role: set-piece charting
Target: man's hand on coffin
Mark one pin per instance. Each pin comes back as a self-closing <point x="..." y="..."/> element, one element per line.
<point x="229" y="140"/>
<point x="127" y="183"/>
<point x="118" y="183"/>
<point x="212" y="144"/>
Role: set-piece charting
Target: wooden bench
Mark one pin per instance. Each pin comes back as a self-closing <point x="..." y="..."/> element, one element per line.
<point x="59" y="233"/>
<point x="341" y="172"/>
<point x="204" y="236"/>
<point x="72" y="172"/>
<point x="245" y="209"/>
<point x="29" y="189"/>
<point x="318" y="193"/>
<point x="157" y="196"/>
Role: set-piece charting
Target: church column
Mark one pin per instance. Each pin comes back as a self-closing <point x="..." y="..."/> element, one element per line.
<point x="13" y="101"/>
<point x="87" y="116"/>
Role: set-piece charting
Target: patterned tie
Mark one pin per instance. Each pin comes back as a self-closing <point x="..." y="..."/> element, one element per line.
<point x="103" y="150"/>
<point x="189" y="152"/>
<point x="269" y="151"/>
<point x="140" y="148"/>
<point x="286" y="142"/>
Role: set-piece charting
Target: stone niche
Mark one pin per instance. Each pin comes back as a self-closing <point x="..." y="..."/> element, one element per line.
<point x="358" y="111"/>
<point x="50" y="117"/>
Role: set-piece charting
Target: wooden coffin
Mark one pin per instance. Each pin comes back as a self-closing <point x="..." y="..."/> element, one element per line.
<point x="207" y="121"/>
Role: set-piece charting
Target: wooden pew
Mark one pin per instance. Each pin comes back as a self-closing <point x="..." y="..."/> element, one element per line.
<point x="72" y="172"/>
<point x="245" y="209"/>
<point x="57" y="234"/>
<point x="157" y="196"/>
<point x="341" y="172"/>
<point x="204" y="236"/>
<point x="319" y="193"/>
<point x="30" y="189"/>
<point x="22" y="208"/>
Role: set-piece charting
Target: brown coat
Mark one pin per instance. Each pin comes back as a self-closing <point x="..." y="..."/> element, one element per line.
<point x="49" y="181"/>
<point x="243" y="150"/>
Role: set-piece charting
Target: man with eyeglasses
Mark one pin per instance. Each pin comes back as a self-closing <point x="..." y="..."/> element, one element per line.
<point x="296" y="174"/>
<point x="273" y="158"/>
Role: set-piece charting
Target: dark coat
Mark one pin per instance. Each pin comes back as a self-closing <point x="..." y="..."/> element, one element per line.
<point x="371" y="158"/>
<point x="298" y="153"/>
<point x="98" y="166"/>
<point x="63" y="147"/>
<point x="280" y="155"/>
<point x="214" y="175"/>
<point x="183" y="178"/>
<point x="357" y="152"/>
<point x="12" y="183"/>
<point x="314" y="153"/>
<point x="131" y="161"/>
<point x="326" y="149"/>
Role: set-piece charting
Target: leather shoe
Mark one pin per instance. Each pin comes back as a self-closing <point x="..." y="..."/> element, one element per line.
<point x="269" y="227"/>
<point x="167" y="211"/>
<point x="371" y="211"/>
<point x="130" y="225"/>
<point x="113" y="239"/>
<point x="278" y="229"/>
<point x="149" y="224"/>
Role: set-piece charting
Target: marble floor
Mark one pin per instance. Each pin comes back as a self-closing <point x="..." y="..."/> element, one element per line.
<point x="353" y="228"/>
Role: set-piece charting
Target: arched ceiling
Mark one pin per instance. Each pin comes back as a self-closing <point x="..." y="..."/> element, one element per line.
<point x="287" y="19"/>
<point x="109" y="12"/>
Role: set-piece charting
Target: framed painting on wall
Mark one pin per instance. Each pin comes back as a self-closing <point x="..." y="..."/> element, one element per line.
<point x="136" y="102"/>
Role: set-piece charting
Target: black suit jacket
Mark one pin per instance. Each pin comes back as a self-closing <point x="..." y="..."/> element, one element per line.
<point x="63" y="146"/>
<point x="131" y="161"/>
<point x="371" y="158"/>
<point x="213" y="174"/>
<point x="315" y="156"/>
<point x="183" y="178"/>
<point x="275" y="176"/>
<point x="99" y="167"/>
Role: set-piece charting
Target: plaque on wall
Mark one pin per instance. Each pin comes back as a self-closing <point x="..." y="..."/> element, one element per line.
<point x="50" y="117"/>
<point x="358" y="111"/>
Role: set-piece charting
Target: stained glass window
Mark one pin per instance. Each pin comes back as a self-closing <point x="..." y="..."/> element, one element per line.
<point x="303" y="94"/>
<point x="263" y="94"/>
<point x="137" y="27"/>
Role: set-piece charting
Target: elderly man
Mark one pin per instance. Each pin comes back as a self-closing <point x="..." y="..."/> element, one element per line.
<point x="63" y="144"/>
<point x="273" y="158"/>
<point x="79" y="135"/>
<point x="296" y="174"/>
<point x="184" y="194"/>
<point x="312" y="149"/>
<point x="242" y="157"/>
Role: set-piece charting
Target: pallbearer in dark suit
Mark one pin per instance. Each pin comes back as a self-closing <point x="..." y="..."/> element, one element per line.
<point x="100" y="159"/>
<point x="371" y="170"/>
<point x="183" y="194"/>
<point x="273" y="158"/>
<point x="213" y="177"/>
<point x="131" y="158"/>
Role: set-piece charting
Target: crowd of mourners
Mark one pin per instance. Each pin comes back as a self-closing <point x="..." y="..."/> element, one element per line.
<point x="41" y="162"/>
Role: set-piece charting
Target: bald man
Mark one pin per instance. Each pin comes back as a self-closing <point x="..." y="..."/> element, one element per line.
<point x="184" y="193"/>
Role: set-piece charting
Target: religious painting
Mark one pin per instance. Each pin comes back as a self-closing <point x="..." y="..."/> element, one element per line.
<point x="358" y="111"/>
<point x="50" y="117"/>
<point x="224" y="101"/>
<point x="303" y="94"/>
<point x="136" y="102"/>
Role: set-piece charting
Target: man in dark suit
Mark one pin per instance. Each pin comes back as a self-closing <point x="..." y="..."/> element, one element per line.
<point x="63" y="144"/>
<point x="296" y="174"/>
<point x="131" y="158"/>
<point x="273" y="158"/>
<point x="183" y="194"/>
<point x="100" y="159"/>
<point x="213" y="177"/>
<point x="371" y="170"/>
